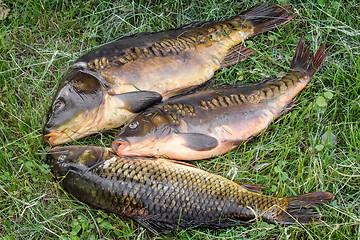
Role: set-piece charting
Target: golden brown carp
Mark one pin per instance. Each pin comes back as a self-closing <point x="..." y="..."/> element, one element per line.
<point x="107" y="86"/>
<point x="213" y="121"/>
<point x="164" y="195"/>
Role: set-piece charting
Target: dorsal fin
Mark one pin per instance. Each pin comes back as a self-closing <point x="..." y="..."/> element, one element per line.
<point x="175" y="44"/>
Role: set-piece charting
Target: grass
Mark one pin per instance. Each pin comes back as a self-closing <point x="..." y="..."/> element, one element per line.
<point x="40" y="39"/>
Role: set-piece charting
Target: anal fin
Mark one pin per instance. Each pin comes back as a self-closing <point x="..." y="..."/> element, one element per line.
<point x="288" y="107"/>
<point x="156" y="227"/>
<point x="224" y="223"/>
<point x="237" y="54"/>
<point x="251" y="187"/>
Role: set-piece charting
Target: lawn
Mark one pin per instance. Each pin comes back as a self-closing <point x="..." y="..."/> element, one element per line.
<point x="314" y="147"/>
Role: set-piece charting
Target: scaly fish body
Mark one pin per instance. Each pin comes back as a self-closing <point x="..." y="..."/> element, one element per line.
<point x="213" y="121"/>
<point x="164" y="63"/>
<point x="187" y="56"/>
<point x="164" y="195"/>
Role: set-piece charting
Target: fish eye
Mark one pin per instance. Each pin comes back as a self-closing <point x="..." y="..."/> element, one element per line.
<point x="62" y="157"/>
<point x="133" y="125"/>
<point x="59" y="104"/>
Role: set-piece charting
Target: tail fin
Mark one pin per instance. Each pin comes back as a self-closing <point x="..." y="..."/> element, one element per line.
<point x="304" y="62"/>
<point x="265" y="17"/>
<point x="302" y="208"/>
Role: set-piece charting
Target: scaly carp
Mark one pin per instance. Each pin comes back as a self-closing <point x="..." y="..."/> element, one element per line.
<point x="213" y="121"/>
<point x="165" y="195"/>
<point x="106" y="87"/>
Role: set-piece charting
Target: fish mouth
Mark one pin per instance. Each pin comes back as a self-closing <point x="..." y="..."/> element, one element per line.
<point x="119" y="145"/>
<point x="52" y="139"/>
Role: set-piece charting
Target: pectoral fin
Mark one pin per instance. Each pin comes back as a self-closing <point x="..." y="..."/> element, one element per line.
<point x="138" y="101"/>
<point x="199" y="141"/>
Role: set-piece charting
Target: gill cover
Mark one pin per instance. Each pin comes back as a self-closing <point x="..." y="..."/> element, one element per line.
<point x="79" y="158"/>
<point x="80" y="90"/>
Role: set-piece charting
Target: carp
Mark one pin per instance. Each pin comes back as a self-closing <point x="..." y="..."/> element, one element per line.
<point x="106" y="87"/>
<point x="213" y="121"/>
<point x="164" y="195"/>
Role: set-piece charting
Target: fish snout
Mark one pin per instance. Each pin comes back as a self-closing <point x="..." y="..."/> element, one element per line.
<point x="52" y="138"/>
<point x="46" y="134"/>
<point x="119" y="145"/>
<point x="46" y="139"/>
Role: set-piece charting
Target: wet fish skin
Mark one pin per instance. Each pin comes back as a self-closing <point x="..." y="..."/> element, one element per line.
<point x="90" y="97"/>
<point x="213" y="121"/>
<point x="165" y="195"/>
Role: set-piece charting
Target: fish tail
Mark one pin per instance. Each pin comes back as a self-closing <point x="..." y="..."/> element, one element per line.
<point x="302" y="208"/>
<point x="265" y="17"/>
<point x="303" y="61"/>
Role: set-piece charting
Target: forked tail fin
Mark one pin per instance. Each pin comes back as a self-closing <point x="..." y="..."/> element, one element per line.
<point x="265" y="17"/>
<point x="303" y="61"/>
<point x="302" y="208"/>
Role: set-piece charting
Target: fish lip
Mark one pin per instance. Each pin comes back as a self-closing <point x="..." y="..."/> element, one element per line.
<point x="119" y="144"/>
<point x="49" y="138"/>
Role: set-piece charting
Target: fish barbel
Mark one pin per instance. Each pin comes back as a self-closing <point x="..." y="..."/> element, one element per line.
<point x="165" y="195"/>
<point x="104" y="88"/>
<point x="213" y="121"/>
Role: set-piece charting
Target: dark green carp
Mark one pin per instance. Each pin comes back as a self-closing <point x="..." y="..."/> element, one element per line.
<point x="165" y="195"/>
<point x="213" y="121"/>
<point x="107" y="86"/>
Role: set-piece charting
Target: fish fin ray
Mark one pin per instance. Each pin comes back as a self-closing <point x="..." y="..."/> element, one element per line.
<point x="138" y="101"/>
<point x="305" y="62"/>
<point x="237" y="54"/>
<point x="223" y="223"/>
<point x="234" y="142"/>
<point x="190" y="90"/>
<point x="251" y="187"/>
<point x="132" y="35"/>
<point x="302" y="208"/>
<point x="182" y="163"/>
<point x="199" y="141"/>
<point x="251" y="86"/>
<point x="194" y="25"/>
<point x="265" y="17"/>
<point x="186" y="26"/>
<point x="159" y="227"/>
<point x="290" y="105"/>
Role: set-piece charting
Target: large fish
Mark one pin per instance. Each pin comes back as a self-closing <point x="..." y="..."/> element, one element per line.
<point x="107" y="86"/>
<point x="213" y="121"/>
<point x="165" y="195"/>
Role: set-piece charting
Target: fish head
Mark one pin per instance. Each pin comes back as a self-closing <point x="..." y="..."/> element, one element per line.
<point x="76" y="158"/>
<point x="143" y="133"/>
<point x="76" y="108"/>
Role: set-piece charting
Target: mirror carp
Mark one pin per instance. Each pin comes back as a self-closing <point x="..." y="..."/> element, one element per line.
<point x="213" y="121"/>
<point x="164" y="195"/>
<point x="106" y="87"/>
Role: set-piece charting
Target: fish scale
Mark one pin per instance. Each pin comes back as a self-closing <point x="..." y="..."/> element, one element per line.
<point x="213" y="121"/>
<point x="165" y="195"/>
<point x="105" y="87"/>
